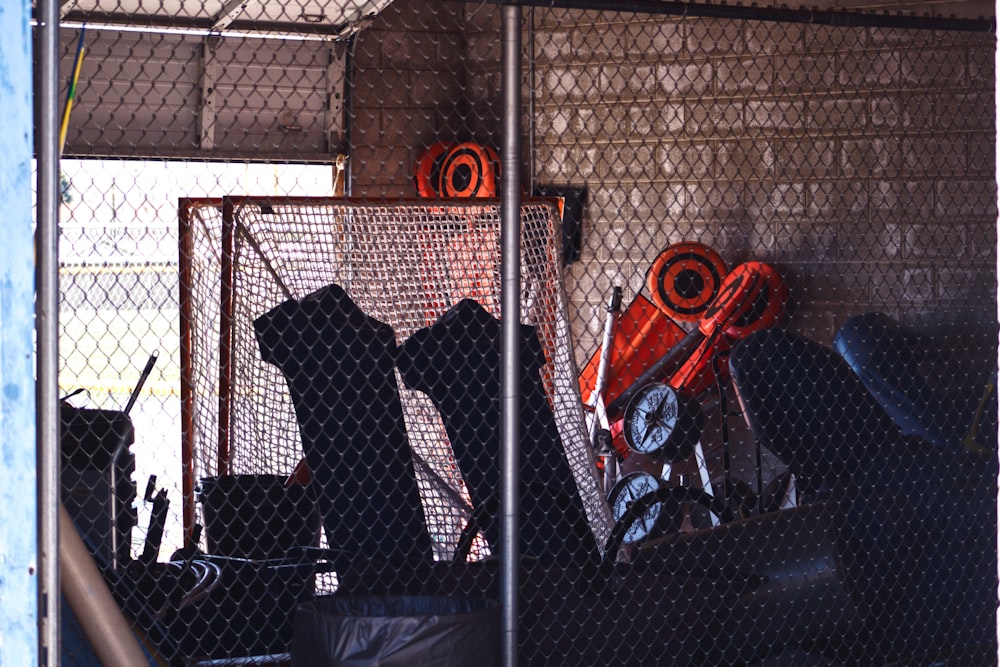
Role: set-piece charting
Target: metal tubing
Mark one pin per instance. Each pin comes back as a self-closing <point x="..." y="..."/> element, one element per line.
<point x="180" y="25"/>
<point x="843" y="18"/>
<point x="184" y="270"/>
<point x="348" y="115"/>
<point x="510" y="319"/>
<point x="225" y="337"/>
<point x="530" y="107"/>
<point x="88" y="596"/>
<point x="596" y="400"/>
<point x="47" y="331"/>
<point x="781" y="14"/>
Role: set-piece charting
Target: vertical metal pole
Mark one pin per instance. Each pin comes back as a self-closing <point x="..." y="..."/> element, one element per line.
<point x="225" y="337"/>
<point x="47" y="331"/>
<point x="510" y="298"/>
<point x="186" y="312"/>
<point x="996" y="394"/>
<point x="532" y="75"/>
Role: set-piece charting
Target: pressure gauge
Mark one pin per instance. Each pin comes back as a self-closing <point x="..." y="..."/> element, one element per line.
<point x="630" y="488"/>
<point x="663" y="423"/>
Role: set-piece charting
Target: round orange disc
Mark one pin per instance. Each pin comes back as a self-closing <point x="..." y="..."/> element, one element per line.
<point x="468" y="171"/>
<point x="428" y="171"/>
<point x="685" y="278"/>
<point x="768" y="308"/>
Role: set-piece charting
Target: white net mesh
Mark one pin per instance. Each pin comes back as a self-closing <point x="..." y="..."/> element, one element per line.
<point x="404" y="264"/>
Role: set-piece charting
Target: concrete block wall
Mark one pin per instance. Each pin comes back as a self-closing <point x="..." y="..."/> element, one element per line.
<point x="859" y="161"/>
<point x="411" y="80"/>
<point x="407" y="87"/>
<point x="856" y="160"/>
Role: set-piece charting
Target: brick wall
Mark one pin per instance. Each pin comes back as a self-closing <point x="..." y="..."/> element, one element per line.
<point x="859" y="161"/>
<point x="411" y="89"/>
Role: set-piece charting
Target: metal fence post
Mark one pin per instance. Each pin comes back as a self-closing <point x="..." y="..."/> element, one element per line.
<point x="510" y="299"/>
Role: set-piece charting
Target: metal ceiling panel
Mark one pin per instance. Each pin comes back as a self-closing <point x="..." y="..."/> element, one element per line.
<point x="331" y="19"/>
<point x="146" y="94"/>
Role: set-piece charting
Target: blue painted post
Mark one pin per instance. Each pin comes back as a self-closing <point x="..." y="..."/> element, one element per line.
<point x="18" y="535"/>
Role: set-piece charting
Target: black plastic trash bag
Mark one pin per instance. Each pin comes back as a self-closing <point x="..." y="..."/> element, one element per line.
<point x="362" y="631"/>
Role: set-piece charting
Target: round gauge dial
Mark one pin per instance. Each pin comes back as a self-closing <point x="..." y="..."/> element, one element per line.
<point x="630" y="488"/>
<point x="663" y="423"/>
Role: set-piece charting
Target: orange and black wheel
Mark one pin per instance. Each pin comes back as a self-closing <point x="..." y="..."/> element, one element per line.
<point x="768" y="307"/>
<point x="469" y="170"/>
<point x="685" y="278"/>
<point x="428" y="170"/>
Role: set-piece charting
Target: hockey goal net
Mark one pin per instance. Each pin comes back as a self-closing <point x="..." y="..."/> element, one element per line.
<point x="404" y="264"/>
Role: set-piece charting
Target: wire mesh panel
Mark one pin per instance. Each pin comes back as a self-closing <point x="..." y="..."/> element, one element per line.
<point x="807" y="149"/>
<point x="406" y="265"/>
<point x="758" y="318"/>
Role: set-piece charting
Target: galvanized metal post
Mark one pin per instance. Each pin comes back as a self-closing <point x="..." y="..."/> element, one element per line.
<point x="510" y="240"/>
<point x="47" y="330"/>
<point x="996" y="394"/>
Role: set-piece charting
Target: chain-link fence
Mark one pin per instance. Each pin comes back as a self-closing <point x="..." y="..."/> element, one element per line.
<point x="755" y="357"/>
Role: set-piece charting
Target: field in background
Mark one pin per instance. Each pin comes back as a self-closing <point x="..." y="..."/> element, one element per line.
<point x="118" y="252"/>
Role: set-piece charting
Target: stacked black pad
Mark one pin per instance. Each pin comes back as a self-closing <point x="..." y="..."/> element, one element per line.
<point x="918" y="521"/>
<point x="339" y="365"/>
<point x="456" y="362"/>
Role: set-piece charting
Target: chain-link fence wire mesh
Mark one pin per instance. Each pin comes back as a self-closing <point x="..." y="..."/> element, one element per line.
<point x="793" y="454"/>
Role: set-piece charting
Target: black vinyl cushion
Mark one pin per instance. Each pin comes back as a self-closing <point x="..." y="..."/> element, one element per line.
<point x="803" y="402"/>
<point x="456" y="362"/>
<point x="339" y="365"/>
<point x="916" y="381"/>
<point x="918" y="522"/>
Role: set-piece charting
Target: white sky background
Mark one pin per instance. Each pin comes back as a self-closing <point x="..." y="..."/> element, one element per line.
<point x="124" y="213"/>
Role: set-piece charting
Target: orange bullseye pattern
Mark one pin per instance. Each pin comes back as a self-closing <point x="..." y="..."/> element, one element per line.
<point x="469" y="170"/>
<point x="684" y="279"/>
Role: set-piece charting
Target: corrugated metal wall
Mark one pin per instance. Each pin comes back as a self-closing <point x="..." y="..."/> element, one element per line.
<point x="182" y="96"/>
